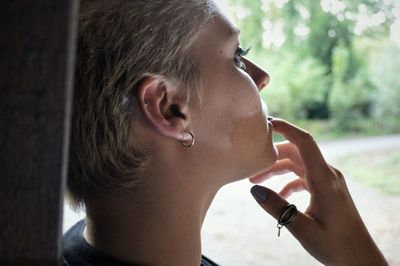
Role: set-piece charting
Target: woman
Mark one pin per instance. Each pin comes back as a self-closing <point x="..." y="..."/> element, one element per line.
<point x="166" y="112"/>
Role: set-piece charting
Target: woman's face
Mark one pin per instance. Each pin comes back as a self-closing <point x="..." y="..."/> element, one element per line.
<point x="233" y="137"/>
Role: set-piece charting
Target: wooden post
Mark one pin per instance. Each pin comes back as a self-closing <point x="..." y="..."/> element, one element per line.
<point x="37" y="41"/>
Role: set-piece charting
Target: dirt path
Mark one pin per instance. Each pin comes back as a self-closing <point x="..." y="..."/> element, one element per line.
<point x="238" y="232"/>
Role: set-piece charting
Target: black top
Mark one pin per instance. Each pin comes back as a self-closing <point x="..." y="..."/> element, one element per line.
<point x="77" y="252"/>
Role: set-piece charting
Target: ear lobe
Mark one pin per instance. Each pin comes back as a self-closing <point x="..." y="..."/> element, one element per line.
<point x="163" y="109"/>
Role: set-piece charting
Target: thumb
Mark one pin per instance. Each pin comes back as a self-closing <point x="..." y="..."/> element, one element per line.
<point x="269" y="200"/>
<point x="274" y="204"/>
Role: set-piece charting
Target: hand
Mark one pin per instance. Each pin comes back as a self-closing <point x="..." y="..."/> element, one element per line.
<point x="331" y="229"/>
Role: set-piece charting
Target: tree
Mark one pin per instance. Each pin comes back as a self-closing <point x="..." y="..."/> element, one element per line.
<point x="351" y="99"/>
<point x="313" y="29"/>
<point x="384" y="75"/>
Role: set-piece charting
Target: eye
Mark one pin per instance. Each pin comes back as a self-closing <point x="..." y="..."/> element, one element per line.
<point x="239" y="53"/>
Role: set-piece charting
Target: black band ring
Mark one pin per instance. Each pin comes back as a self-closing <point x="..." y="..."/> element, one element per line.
<point x="288" y="213"/>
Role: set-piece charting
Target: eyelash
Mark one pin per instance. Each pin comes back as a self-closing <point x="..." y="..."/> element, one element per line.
<point x="240" y="52"/>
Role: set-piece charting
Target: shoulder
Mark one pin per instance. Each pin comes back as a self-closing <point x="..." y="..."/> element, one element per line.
<point x="74" y="244"/>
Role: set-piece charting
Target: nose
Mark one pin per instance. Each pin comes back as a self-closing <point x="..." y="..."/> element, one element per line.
<point x="259" y="76"/>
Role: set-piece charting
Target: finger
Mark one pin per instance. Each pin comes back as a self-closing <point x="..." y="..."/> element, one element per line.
<point x="288" y="150"/>
<point x="301" y="227"/>
<point x="294" y="186"/>
<point x="309" y="152"/>
<point x="337" y="172"/>
<point x="286" y="165"/>
<point x="281" y="167"/>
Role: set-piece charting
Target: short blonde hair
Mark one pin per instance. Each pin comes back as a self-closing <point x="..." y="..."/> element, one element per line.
<point x="119" y="43"/>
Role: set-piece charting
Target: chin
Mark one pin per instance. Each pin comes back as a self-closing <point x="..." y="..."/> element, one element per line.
<point x="258" y="162"/>
<point x="269" y="159"/>
<point x="274" y="151"/>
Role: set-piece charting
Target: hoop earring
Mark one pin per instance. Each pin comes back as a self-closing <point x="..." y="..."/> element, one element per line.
<point x="186" y="143"/>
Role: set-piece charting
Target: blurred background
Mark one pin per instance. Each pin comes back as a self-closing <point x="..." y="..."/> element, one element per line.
<point x="334" y="65"/>
<point x="335" y="70"/>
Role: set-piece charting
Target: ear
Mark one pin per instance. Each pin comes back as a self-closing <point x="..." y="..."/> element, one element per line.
<point x="159" y="102"/>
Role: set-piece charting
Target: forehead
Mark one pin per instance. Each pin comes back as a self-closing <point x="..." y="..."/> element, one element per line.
<point x="218" y="33"/>
<point x="216" y="42"/>
<point x="223" y="27"/>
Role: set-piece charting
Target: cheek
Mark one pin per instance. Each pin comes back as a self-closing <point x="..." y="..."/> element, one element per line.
<point x="249" y="135"/>
<point x="232" y="129"/>
<point x="249" y="132"/>
<point x="232" y="107"/>
<point x="240" y="117"/>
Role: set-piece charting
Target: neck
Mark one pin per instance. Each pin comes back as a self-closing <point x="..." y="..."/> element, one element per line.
<point x="161" y="227"/>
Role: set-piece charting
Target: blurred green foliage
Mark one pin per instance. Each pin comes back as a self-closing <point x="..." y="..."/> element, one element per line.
<point x="384" y="70"/>
<point x="328" y="60"/>
<point x="350" y="98"/>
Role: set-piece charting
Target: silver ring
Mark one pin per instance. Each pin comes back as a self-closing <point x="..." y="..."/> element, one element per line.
<point x="188" y="145"/>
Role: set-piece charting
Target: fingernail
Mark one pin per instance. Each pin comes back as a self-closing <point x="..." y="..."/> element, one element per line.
<point x="259" y="193"/>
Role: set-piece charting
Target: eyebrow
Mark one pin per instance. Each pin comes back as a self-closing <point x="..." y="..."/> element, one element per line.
<point x="233" y="31"/>
<point x="234" y="34"/>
